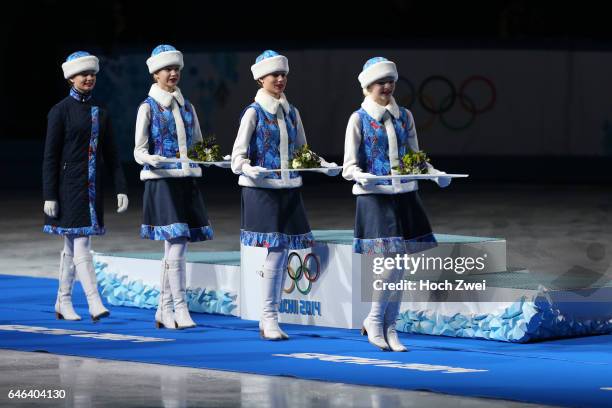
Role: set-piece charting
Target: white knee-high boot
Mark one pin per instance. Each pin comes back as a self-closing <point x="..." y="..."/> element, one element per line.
<point x="63" y="302"/>
<point x="279" y="298"/>
<point x="389" y="324"/>
<point x="389" y="327"/>
<point x="373" y="325"/>
<point x="85" y="271"/>
<point x="268" y="323"/>
<point x="176" y="271"/>
<point x="164" y="316"/>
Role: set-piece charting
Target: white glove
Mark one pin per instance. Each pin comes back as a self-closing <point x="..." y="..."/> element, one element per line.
<point x="51" y="208"/>
<point x="155" y="160"/>
<point x="330" y="173"/>
<point x="253" y="172"/>
<point x="361" y="178"/>
<point x="122" y="203"/>
<point x="440" y="181"/>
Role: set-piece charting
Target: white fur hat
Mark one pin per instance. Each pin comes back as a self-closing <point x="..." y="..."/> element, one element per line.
<point x="377" y="68"/>
<point x="164" y="56"/>
<point x="268" y="62"/>
<point x="80" y="61"/>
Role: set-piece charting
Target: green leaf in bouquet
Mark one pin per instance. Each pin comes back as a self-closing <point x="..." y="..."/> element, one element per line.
<point x="209" y="141"/>
<point x="206" y="150"/>
<point x="413" y="163"/>
<point x="304" y="158"/>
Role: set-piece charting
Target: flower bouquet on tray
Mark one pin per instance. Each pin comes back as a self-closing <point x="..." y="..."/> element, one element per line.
<point x="304" y="158"/>
<point x="206" y="151"/>
<point x="413" y="163"/>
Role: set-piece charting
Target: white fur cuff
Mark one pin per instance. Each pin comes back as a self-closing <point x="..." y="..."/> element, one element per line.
<point x="267" y="66"/>
<point x="380" y="70"/>
<point x="165" y="59"/>
<point x="78" y="65"/>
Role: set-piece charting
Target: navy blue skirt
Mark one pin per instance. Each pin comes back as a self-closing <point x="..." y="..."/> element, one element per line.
<point x="274" y="218"/>
<point x="388" y="223"/>
<point x="173" y="208"/>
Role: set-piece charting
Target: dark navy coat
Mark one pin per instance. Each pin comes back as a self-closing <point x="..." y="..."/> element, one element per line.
<point x="73" y="164"/>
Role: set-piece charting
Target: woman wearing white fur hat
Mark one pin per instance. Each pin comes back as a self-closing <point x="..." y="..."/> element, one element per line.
<point x="79" y="139"/>
<point x="272" y="210"/>
<point x="389" y="214"/>
<point x="174" y="211"/>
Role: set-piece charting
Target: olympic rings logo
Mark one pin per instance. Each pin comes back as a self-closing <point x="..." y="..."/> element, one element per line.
<point x="408" y="95"/>
<point x="303" y="270"/>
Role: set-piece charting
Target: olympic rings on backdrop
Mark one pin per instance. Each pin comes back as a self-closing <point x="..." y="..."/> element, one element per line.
<point x="471" y="112"/>
<point x="404" y="99"/>
<point x="447" y="103"/>
<point x="490" y="85"/>
<point x="305" y="269"/>
<point x="432" y="117"/>
<point x="407" y="95"/>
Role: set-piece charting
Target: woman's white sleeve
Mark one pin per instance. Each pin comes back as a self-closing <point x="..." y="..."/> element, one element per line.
<point x="413" y="141"/>
<point x="197" y="132"/>
<point x="243" y="139"/>
<point x="301" y="134"/>
<point x="141" y="140"/>
<point x="352" y="142"/>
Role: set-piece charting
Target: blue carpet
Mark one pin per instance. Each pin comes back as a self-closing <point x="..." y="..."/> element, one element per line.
<point x="570" y="372"/>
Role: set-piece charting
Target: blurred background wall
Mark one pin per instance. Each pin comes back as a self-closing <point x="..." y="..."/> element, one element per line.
<point x="508" y="91"/>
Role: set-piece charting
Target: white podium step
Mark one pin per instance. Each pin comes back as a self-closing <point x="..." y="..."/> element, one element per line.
<point x="517" y="306"/>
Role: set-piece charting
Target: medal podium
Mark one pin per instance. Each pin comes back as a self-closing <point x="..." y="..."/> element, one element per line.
<point x="324" y="288"/>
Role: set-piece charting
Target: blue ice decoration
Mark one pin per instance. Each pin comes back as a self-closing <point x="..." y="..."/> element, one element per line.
<point x="521" y="322"/>
<point x="120" y="291"/>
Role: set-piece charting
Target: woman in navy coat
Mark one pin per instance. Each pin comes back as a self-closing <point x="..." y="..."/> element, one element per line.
<point x="78" y="145"/>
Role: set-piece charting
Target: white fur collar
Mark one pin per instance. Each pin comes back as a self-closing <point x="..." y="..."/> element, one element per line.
<point x="270" y="103"/>
<point x="378" y="111"/>
<point x="165" y="98"/>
